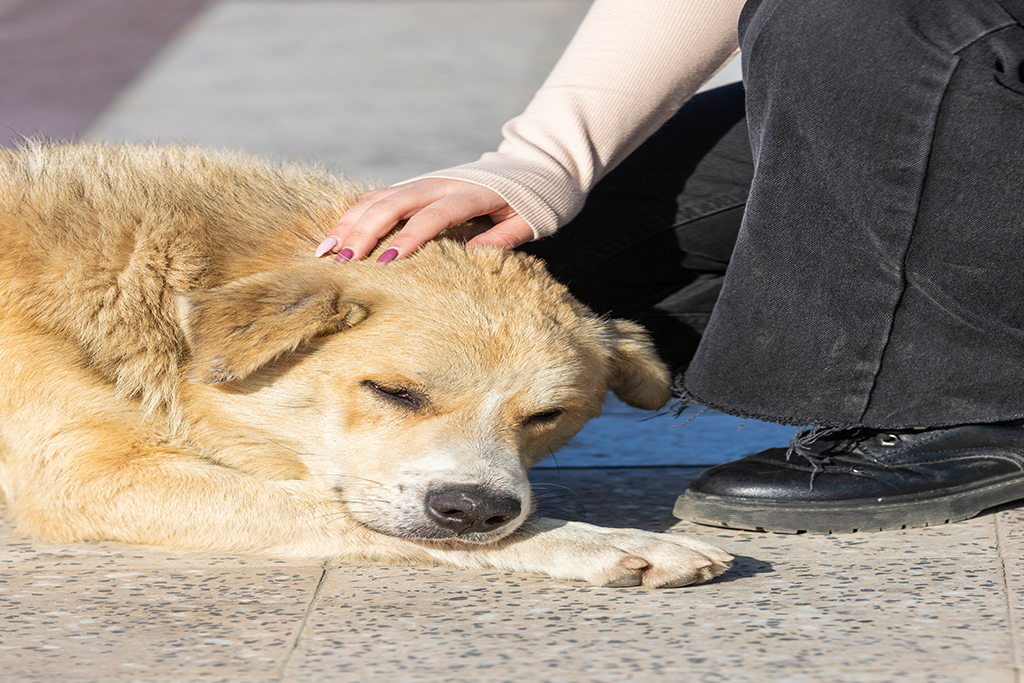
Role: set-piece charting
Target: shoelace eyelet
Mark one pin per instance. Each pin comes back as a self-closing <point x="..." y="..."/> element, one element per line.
<point x="888" y="439"/>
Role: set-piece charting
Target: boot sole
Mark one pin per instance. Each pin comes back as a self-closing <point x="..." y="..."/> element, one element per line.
<point x="850" y="517"/>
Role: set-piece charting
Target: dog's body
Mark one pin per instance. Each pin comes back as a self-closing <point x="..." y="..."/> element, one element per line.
<point x="177" y="369"/>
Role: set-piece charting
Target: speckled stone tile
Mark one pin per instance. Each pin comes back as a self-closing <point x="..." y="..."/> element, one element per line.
<point x="917" y="605"/>
<point x="945" y="674"/>
<point x="96" y="624"/>
<point x="643" y="498"/>
<point x="1010" y="525"/>
<point x="970" y="539"/>
<point x="811" y="619"/>
<point x="1010" y="520"/>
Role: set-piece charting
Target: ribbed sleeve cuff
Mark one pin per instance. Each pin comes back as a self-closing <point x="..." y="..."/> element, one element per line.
<point x="543" y="200"/>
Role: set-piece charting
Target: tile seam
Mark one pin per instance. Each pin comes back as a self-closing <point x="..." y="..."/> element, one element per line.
<point x="1015" y="626"/>
<point x="314" y="601"/>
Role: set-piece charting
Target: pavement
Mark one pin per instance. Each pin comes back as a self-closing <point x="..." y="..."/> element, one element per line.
<point x="384" y="90"/>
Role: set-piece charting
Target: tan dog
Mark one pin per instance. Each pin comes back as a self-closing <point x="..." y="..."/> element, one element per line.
<point x="177" y="369"/>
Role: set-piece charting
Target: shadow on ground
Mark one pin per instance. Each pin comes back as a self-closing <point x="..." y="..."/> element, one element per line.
<point x="637" y="497"/>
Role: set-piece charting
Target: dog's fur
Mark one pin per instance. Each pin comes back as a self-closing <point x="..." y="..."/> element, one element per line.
<point x="177" y="369"/>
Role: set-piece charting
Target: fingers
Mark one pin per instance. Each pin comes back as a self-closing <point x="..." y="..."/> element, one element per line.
<point x="508" y="234"/>
<point x="432" y="220"/>
<point x="429" y="207"/>
<point x="375" y="214"/>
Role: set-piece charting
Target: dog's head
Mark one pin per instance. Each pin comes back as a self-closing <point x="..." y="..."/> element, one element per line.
<point x="420" y="391"/>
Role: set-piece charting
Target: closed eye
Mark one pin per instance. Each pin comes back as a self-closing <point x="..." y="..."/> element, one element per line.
<point x="401" y="396"/>
<point x="545" y="417"/>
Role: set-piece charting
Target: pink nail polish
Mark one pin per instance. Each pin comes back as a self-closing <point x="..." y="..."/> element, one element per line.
<point x="388" y="256"/>
<point x="325" y="246"/>
<point x="345" y="254"/>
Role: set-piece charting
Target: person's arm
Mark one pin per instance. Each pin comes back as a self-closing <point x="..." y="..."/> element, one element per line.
<point x="630" y="66"/>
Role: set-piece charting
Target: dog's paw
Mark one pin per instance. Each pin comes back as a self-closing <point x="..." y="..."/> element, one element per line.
<point x="630" y="557"/>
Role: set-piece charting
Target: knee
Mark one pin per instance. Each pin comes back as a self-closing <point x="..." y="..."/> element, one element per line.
<point x="807" y="29"/>
<point x="813" y="51"/>
<point x="855" y="30"/>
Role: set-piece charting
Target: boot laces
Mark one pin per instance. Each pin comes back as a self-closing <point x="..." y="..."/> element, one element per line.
<point x="803" y="440"/>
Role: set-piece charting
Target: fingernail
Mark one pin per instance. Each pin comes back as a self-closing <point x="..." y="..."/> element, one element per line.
<point x="344" y="255"/>
<point x="388" y="256"/>
<point x="325" y="246"/>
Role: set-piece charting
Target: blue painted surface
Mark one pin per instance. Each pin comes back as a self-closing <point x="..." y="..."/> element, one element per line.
<point x="627" y="437"/>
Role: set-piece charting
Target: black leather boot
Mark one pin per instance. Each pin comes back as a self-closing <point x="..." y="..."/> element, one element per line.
<point x="841" y="481"/>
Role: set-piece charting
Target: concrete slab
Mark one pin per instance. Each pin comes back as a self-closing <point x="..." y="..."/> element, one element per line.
<point x="378" y="89"/>
<point x="65" y="60"/>
<point x="925" y="605"/>
<point x="933" y="621"/>
<point x="115" y="612"/>
<point x="75" y="624"/>
<point x="938" y="604"/>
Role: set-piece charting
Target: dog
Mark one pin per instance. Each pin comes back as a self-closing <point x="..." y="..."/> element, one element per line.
<point x="177" y="369"/>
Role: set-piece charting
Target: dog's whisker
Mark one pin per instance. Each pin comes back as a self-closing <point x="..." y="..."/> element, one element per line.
<point x="353" y="477"/>
<point x="286" y="447"/>
<point x="552" y="485"/>
<point x="555" y="493"/>
<point x="554" y="500"/>
<point x="369" y="503"/>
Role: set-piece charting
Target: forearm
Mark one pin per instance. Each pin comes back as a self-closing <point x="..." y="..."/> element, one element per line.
<point x="631" y="65"/>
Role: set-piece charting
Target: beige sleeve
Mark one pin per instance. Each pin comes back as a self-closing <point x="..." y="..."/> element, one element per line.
<point x="630" y="66"/>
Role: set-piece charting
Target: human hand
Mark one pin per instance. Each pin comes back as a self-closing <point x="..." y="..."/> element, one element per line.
<point x="429" y="207"/>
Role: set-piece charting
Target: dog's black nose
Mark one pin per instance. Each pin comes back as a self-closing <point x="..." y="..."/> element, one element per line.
<point x="471" y="509"/>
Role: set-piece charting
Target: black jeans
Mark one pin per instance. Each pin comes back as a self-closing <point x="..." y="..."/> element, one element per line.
<point x="872" y="276"/>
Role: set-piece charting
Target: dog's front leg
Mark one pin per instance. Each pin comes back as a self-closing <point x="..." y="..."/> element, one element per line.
<point x="90" y="485"/>
<point x="575" y="551"/>
<point x="157" y="496"/>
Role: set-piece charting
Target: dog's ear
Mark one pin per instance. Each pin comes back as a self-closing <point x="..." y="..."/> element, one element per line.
<point x="237" y="328"/>
<point x="636" y="373"/>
